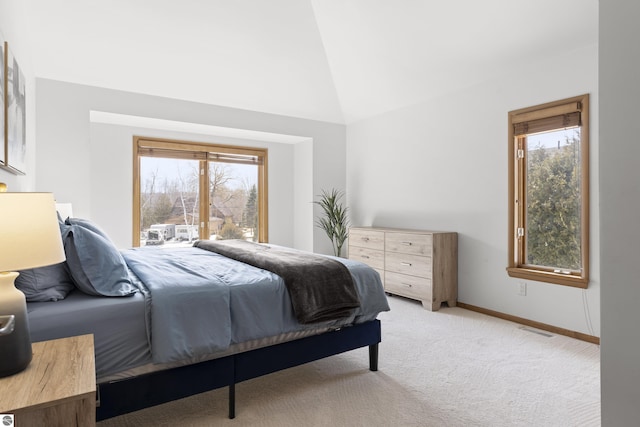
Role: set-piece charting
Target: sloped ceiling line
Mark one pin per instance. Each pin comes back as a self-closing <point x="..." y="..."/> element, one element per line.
<point x="330" y="60"/>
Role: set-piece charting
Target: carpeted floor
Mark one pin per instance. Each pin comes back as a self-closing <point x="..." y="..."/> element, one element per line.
<point x="448" y="368"/>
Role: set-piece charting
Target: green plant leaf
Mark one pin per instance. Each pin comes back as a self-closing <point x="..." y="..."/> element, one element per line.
<point x="335" y="221"/>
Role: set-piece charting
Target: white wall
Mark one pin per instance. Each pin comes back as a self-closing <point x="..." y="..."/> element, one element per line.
<point x="619" y="211"/>
<point x="90" y="165"/>
<point x="302" y="187"/>
<point x="13" y="27"/>
<point x="442" y="165"/>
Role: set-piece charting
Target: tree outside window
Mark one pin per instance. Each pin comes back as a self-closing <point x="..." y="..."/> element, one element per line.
<point x="177" y="185"/>
<point x="548" y="192"/>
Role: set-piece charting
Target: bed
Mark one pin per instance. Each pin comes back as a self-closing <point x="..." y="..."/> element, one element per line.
<point x="169" y="323"/>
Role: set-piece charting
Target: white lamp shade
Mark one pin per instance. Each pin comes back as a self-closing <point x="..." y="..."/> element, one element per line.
<point x="29" y="231"/>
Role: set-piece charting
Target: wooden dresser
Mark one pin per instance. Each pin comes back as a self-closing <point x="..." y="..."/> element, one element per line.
<point x="417" y="264"/>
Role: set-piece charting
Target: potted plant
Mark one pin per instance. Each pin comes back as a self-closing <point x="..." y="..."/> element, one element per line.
<point x="334" y="222"/>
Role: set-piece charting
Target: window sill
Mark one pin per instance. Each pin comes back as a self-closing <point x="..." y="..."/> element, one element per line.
<point x="548" y="277"/>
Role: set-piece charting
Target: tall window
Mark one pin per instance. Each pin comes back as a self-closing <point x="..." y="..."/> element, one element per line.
<point x="549" y="192"/>
<point x="187" y="190"/>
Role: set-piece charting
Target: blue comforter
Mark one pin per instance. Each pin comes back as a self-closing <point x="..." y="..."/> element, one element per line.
<point x="199" y="302"/>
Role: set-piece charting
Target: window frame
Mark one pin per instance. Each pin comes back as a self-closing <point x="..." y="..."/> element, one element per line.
<point x="205" y="153"/>
<point x="517" y="190"/>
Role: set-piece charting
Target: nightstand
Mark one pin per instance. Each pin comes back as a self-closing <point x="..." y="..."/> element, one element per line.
<point x="58" y="388"/>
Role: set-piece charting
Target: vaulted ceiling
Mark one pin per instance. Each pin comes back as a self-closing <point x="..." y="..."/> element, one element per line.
<point x="329" y="60"/>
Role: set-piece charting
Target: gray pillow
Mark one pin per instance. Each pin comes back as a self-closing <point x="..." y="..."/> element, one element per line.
<point x="95" y="264"/>
<point x="89" y="225"/>
<point x="50" y="283"/>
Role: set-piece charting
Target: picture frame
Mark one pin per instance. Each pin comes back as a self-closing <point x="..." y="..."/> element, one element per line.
<point x="15" y="143"/>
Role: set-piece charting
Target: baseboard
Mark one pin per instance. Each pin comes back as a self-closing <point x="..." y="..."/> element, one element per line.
<point x="532" y="323"/>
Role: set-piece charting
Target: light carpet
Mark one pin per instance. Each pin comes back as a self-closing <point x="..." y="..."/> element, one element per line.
<point x="451" y="368"/>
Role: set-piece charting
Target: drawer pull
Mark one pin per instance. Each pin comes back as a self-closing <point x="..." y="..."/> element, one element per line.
<point x="408" y="285"/>
<point x="406" y="264"/>
<point x="407" y="243"/>
<point x="365" y="256"/>
<point x="365" y="239"/>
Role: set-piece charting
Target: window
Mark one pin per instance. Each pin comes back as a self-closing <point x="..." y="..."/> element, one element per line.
<point x="549" y="192"/>
<point x="187" y="190"/>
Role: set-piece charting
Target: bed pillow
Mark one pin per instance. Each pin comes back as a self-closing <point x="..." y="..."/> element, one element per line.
<point x="95" y="264"/>
<point x="89" y="225"/>
<point x="50" y="283"/>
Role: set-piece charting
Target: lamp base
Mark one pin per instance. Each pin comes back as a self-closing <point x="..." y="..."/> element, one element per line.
<point x="15" y="346"/>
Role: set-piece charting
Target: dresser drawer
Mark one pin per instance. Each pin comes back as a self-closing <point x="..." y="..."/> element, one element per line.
<point x="363" y="238"/>
<point x="413" y="265"/>
<point x="407" y="243"/>
<point x="418" y="264"/>
<point x="371" y="257"/>
<point x="408" y="286"/>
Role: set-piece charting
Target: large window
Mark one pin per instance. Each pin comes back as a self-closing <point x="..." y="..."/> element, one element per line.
<point x="549" y="192"/>
<point x="185" y="191"/>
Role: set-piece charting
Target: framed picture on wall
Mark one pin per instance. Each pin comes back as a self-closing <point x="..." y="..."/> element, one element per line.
<point x="3" y="116"/>
<point x="15" y="107"/>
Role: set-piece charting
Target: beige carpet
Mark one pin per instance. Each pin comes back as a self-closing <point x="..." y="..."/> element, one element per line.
<point x="448" y="368"/>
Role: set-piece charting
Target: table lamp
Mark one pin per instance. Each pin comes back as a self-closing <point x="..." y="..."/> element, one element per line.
<point x="29" y="238"/>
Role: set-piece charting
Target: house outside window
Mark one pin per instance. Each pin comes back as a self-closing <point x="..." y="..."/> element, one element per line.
<point x="185" y="191"/>
<point x="549" y="192"/>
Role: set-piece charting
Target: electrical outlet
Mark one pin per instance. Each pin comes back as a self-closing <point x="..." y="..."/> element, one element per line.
<point x="522" y="289"/>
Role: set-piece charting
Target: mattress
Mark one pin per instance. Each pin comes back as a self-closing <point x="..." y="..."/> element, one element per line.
<point x="118" y="326"/>
<point x="261" y="316"/>
<point x="120" y="334"/>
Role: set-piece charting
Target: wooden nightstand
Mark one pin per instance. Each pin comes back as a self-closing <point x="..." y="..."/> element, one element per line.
<point x="57" y="389"/>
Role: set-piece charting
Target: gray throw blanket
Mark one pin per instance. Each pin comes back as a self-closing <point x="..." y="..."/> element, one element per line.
<point x="320" y="288"/>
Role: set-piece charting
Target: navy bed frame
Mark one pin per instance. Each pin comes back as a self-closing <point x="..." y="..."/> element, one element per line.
<point x="131" y="394"/>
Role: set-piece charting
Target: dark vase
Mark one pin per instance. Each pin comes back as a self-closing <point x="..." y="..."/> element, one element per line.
<point x="15" y="345"/>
